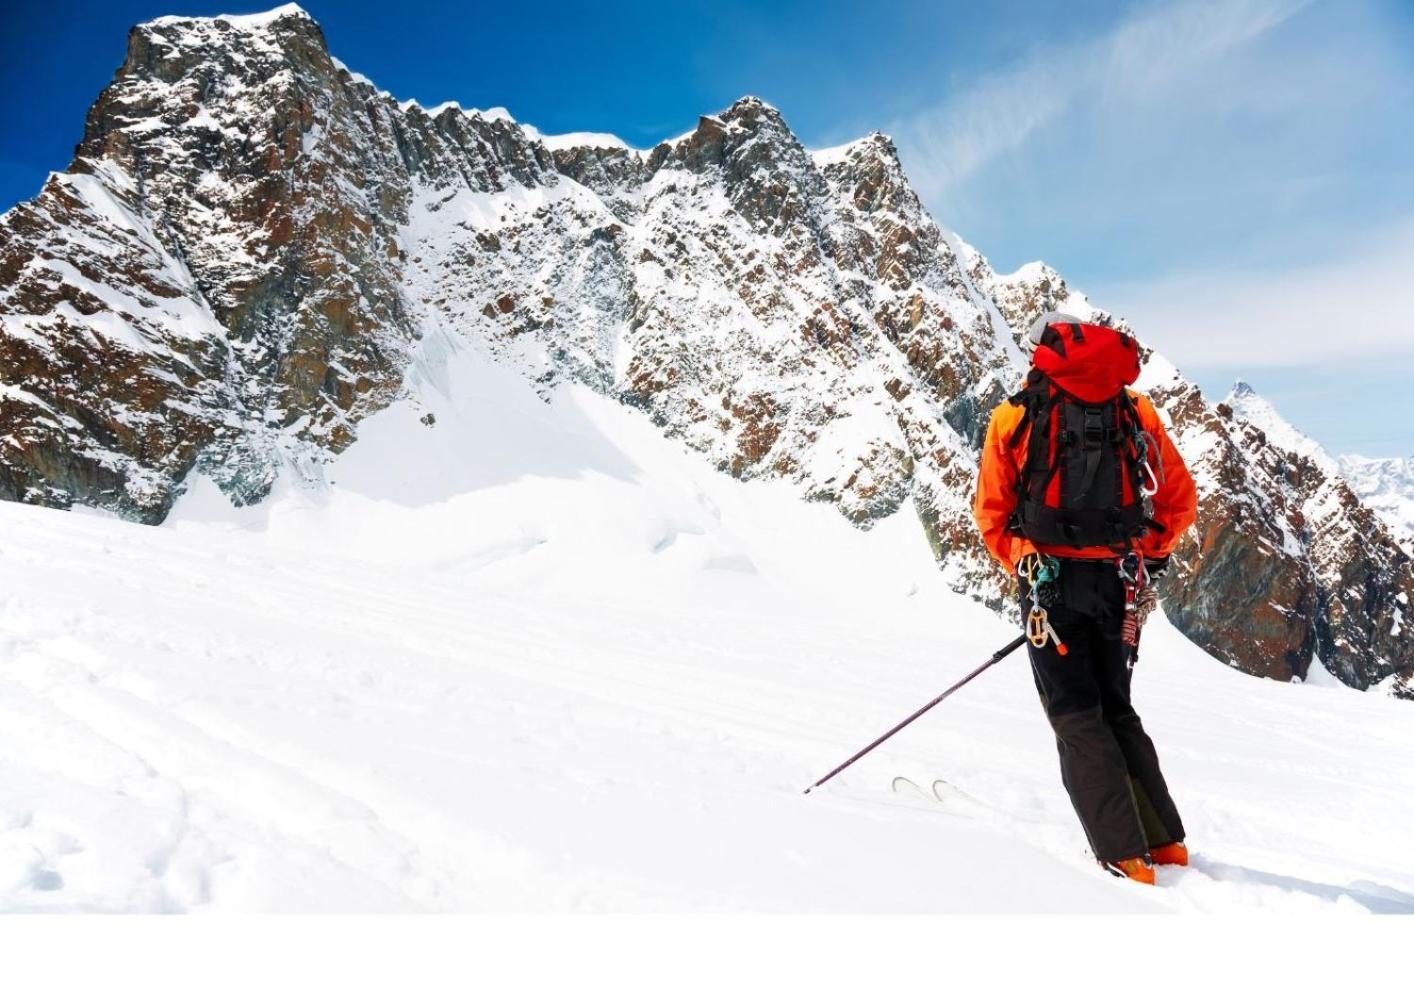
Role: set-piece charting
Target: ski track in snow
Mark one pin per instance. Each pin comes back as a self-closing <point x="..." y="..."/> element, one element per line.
<point x="592" y="682"/>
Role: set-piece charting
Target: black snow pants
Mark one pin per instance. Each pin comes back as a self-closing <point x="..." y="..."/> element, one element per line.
<point x="1107" y="762"/>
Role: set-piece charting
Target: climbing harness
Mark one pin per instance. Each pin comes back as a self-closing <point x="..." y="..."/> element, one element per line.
<point x="1040" y="571"/>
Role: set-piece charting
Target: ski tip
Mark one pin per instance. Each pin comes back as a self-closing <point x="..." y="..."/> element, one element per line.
<point x="807" y="789"/>
<point x="902" y="784"/>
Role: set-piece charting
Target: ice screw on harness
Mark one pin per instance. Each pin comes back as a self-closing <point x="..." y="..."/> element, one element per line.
<point x="1037" y="571"/>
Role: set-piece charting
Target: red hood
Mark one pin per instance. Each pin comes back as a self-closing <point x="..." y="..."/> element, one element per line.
<point x="1090" y="361"/>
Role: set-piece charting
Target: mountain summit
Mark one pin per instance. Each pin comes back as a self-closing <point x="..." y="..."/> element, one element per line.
<point x="255" y="249"/>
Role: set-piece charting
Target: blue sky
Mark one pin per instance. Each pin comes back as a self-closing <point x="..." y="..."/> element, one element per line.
<point x="1235" y="176"/>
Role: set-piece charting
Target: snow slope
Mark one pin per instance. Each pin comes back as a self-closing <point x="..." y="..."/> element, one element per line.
<point x="538" y="657"/>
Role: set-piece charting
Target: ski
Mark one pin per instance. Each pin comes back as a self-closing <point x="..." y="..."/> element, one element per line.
<point x="906" y="786"/>
<point x="939" y="791"/>
<point x="954" y="799"/>
<point x="943" y="792"/>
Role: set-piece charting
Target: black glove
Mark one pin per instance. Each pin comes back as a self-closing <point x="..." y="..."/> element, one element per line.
<point x="1154" y="567"/>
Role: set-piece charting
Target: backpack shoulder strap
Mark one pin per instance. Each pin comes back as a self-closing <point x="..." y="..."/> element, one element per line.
<point x="1035" y="398"/>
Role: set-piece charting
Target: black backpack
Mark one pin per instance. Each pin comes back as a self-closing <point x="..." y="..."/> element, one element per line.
<point x="1087" y="469"/>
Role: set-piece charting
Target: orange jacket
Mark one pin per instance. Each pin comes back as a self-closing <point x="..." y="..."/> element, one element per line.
<point x="1175" y="503"/>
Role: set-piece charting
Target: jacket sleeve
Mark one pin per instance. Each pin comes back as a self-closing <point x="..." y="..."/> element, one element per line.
<point x="1176" y="501"/>
<point x="996" y="491"/>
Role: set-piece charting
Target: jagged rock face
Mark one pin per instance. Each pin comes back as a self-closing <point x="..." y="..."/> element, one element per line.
<point x="786" y="314"/>
<point x="284" y="315"/>
<point x="244" y="254"/>
<point x="111" y="364"/>
<point x="217" y="280"/>
<point x="1355" y="567"/>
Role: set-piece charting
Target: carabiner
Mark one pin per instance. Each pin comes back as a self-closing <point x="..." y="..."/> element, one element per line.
<point x="1150" y="487"/>
<point x="1039" y="630"/>
<point x="1131" y="571"/>
<point x="1037" y="569"/>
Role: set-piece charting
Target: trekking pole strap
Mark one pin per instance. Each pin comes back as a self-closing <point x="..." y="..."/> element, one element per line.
<point x="996" y="657"/>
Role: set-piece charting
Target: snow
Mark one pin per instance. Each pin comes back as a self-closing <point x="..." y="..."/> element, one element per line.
<point x="536" y="656"/>
<point x="145" y="126"/>
<point x="1031" y="271"/>
<point x="495" y="113"/>
<point x="824" y="157"/>
<point x="361" y="78"/>
<point x="444" y="106"/>
<point x="14" y="393"/>
<point x="577" y="139"/>
<point x="1253" y="408"/>
<point x="244" y="22"/>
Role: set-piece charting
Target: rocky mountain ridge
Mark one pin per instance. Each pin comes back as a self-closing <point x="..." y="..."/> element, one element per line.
<point x="253" y="242"/>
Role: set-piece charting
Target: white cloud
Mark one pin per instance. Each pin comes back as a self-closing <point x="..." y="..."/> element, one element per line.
<point x="947" y="143"/>
<point x="1307" y="315"/>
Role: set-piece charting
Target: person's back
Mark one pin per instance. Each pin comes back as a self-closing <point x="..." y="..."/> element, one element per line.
<point x="1082" y="495"/>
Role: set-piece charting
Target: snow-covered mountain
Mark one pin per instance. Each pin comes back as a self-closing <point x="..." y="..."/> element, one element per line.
<point x="1256" y="410"/>
<point x="255" y="250"/>
<point x="1386" y="484"/>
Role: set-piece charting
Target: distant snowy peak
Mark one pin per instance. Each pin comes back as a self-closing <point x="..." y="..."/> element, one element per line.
<point x="1386" y="485"/>
<point x="1379" y="474"/>
<point x="1252" y="408"/>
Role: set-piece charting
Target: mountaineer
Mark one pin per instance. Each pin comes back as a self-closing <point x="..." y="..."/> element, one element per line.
<point x="1082" y="494"/>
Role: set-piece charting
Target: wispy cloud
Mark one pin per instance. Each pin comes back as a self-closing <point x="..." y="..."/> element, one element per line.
<point x="1310" y="315"/>
<point x="946" y="144"/>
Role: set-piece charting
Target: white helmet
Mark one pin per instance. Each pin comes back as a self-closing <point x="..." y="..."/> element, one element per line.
<point x="1038" y="328"/>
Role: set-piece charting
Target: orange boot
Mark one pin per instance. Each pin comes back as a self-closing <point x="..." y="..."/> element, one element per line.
<point x="1174" y="853"/>
<point x="1141" y="870"/>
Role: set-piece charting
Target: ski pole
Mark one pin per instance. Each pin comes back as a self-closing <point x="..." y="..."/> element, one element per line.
<point x="997" y="657"/>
